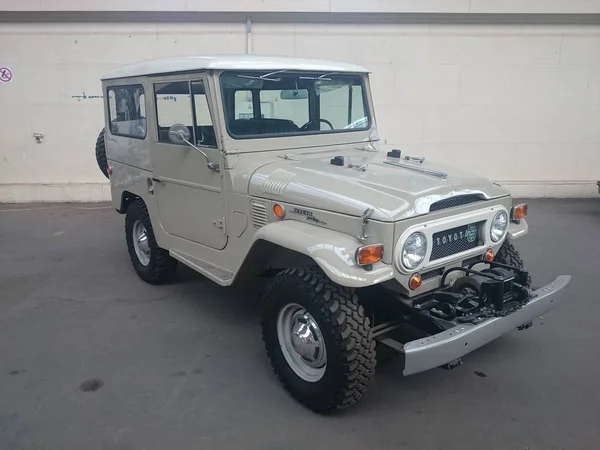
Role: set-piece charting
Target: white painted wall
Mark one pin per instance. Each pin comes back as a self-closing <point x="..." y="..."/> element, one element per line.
<point x="385" y="6"/>
<point x="519" y="104"/>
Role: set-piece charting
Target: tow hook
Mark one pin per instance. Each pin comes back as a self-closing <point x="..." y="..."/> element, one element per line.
<point x="525" y="326"/>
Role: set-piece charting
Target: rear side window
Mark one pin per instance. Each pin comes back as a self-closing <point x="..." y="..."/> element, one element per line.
<point x="127" y="111"/>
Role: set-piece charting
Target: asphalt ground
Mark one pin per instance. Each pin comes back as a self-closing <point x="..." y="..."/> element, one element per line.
<point x="91" y="357"/>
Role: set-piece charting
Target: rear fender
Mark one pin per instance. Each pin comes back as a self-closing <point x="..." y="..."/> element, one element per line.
<point x="128" y="182"/>
<point x="331" y="250"/>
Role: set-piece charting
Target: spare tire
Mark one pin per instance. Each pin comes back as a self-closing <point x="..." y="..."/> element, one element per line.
<point x="101" y="153"/>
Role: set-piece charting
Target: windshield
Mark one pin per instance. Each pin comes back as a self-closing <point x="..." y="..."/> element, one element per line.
<point x="261" y="105"/>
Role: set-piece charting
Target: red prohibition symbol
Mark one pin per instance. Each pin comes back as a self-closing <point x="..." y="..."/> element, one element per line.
<point x="5" y="74"/>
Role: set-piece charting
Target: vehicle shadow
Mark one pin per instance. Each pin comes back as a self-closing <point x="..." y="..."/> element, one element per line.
<point x="239" y="306"/>
<point x="437" y="390"/>
<point x="235" y="303"/>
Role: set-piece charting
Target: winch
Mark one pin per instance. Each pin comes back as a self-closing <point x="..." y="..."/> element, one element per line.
<point x="495" y="291"/>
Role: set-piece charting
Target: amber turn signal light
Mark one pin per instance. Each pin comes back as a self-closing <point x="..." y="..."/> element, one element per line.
<point x="415" y="281"/>
<point x="279" y="211"/>
<point x="369" y="254"/>
<point x="519" y="212"/>
<point x="489" y="255"/>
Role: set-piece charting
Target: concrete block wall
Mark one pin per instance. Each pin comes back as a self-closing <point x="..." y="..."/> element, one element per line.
<point x="519" y="104"/>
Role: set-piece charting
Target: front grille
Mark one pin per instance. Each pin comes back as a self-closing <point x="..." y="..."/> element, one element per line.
<point x="474" y="260"/>
<point x="453" y="202"/>
<point x="455" y="240"/>
<point x="432" y="274"/>
<point x="439" y="272"/>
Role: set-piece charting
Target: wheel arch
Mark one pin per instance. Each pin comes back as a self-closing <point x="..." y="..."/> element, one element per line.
<point x="331" y="250"/>
<point x="127" y="198"/>
<point x="266" y="256"/>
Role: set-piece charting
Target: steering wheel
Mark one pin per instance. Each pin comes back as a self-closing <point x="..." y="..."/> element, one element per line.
<point x="307" y="125"/>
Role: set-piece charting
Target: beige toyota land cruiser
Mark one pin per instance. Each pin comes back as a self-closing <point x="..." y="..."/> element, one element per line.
<point x="245" y="165"/>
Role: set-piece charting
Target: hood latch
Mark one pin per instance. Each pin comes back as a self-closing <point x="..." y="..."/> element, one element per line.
<point x="366" y="215"/>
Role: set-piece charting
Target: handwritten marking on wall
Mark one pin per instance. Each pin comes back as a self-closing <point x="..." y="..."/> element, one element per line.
<point x="84" y="96"/>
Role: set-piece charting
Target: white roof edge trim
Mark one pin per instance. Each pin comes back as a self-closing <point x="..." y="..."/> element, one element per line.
<point x="229" y="62"/>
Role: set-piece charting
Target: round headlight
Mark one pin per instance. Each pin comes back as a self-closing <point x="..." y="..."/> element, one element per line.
<point x="413" y="251"/>
<point x="499" y="226"/>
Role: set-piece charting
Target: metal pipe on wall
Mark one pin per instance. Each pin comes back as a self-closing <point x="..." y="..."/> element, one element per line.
<point x="248" y="35"/>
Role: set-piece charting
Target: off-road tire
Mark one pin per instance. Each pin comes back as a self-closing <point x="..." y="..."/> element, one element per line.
<point x="508" y="254"/>
<point x="161" y="268"/>
<point x="101" y="153"/>
<point x="346" y="332"/>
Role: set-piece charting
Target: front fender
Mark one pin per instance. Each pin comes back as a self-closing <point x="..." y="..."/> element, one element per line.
<point x="331" y="250"/>
<point x="517" y="230"/>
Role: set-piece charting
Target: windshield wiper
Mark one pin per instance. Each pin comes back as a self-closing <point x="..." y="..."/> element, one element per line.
<point x="266" y="76"/>
<point x="321" y="77"/>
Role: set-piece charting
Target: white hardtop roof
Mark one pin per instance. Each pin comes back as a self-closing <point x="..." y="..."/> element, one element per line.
<point x="229" y="62"/>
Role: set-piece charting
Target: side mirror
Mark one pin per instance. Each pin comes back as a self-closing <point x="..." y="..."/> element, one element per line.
<point x="179" y="134"/>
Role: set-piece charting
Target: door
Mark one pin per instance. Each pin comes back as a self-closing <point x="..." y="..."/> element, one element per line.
<point x="189" y="194"/>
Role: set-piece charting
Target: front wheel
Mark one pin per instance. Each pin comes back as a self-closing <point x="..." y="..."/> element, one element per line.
<point x="509" y="255"/>
<point x="318" y="339"/>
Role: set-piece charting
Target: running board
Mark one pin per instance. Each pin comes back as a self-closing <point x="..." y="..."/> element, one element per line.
<point x="214" y="273"/>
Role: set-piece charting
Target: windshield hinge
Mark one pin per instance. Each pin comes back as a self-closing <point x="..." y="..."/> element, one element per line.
<point x="291" y="156"/>
<point x="361" y="167"/>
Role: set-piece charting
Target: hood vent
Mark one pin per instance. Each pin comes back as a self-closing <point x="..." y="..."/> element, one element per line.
<point x="277" y="182"/>
<point x="453" y="202"/>
<point x="259" y="214"/>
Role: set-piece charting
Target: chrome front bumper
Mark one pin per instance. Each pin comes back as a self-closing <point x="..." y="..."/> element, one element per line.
<point x="447" y="346"/>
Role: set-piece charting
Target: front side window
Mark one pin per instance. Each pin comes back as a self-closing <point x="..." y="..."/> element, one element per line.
<point x="184" y="103"/>
<point x="287" y="103"/>
<point x="127" y="111"/>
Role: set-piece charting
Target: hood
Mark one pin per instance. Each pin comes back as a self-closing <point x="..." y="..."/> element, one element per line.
<point x="395" y="193"/>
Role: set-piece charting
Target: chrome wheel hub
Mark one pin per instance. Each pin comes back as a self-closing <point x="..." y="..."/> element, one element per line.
<point x="140" y="243"/>
<point x="301" y="342"/>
